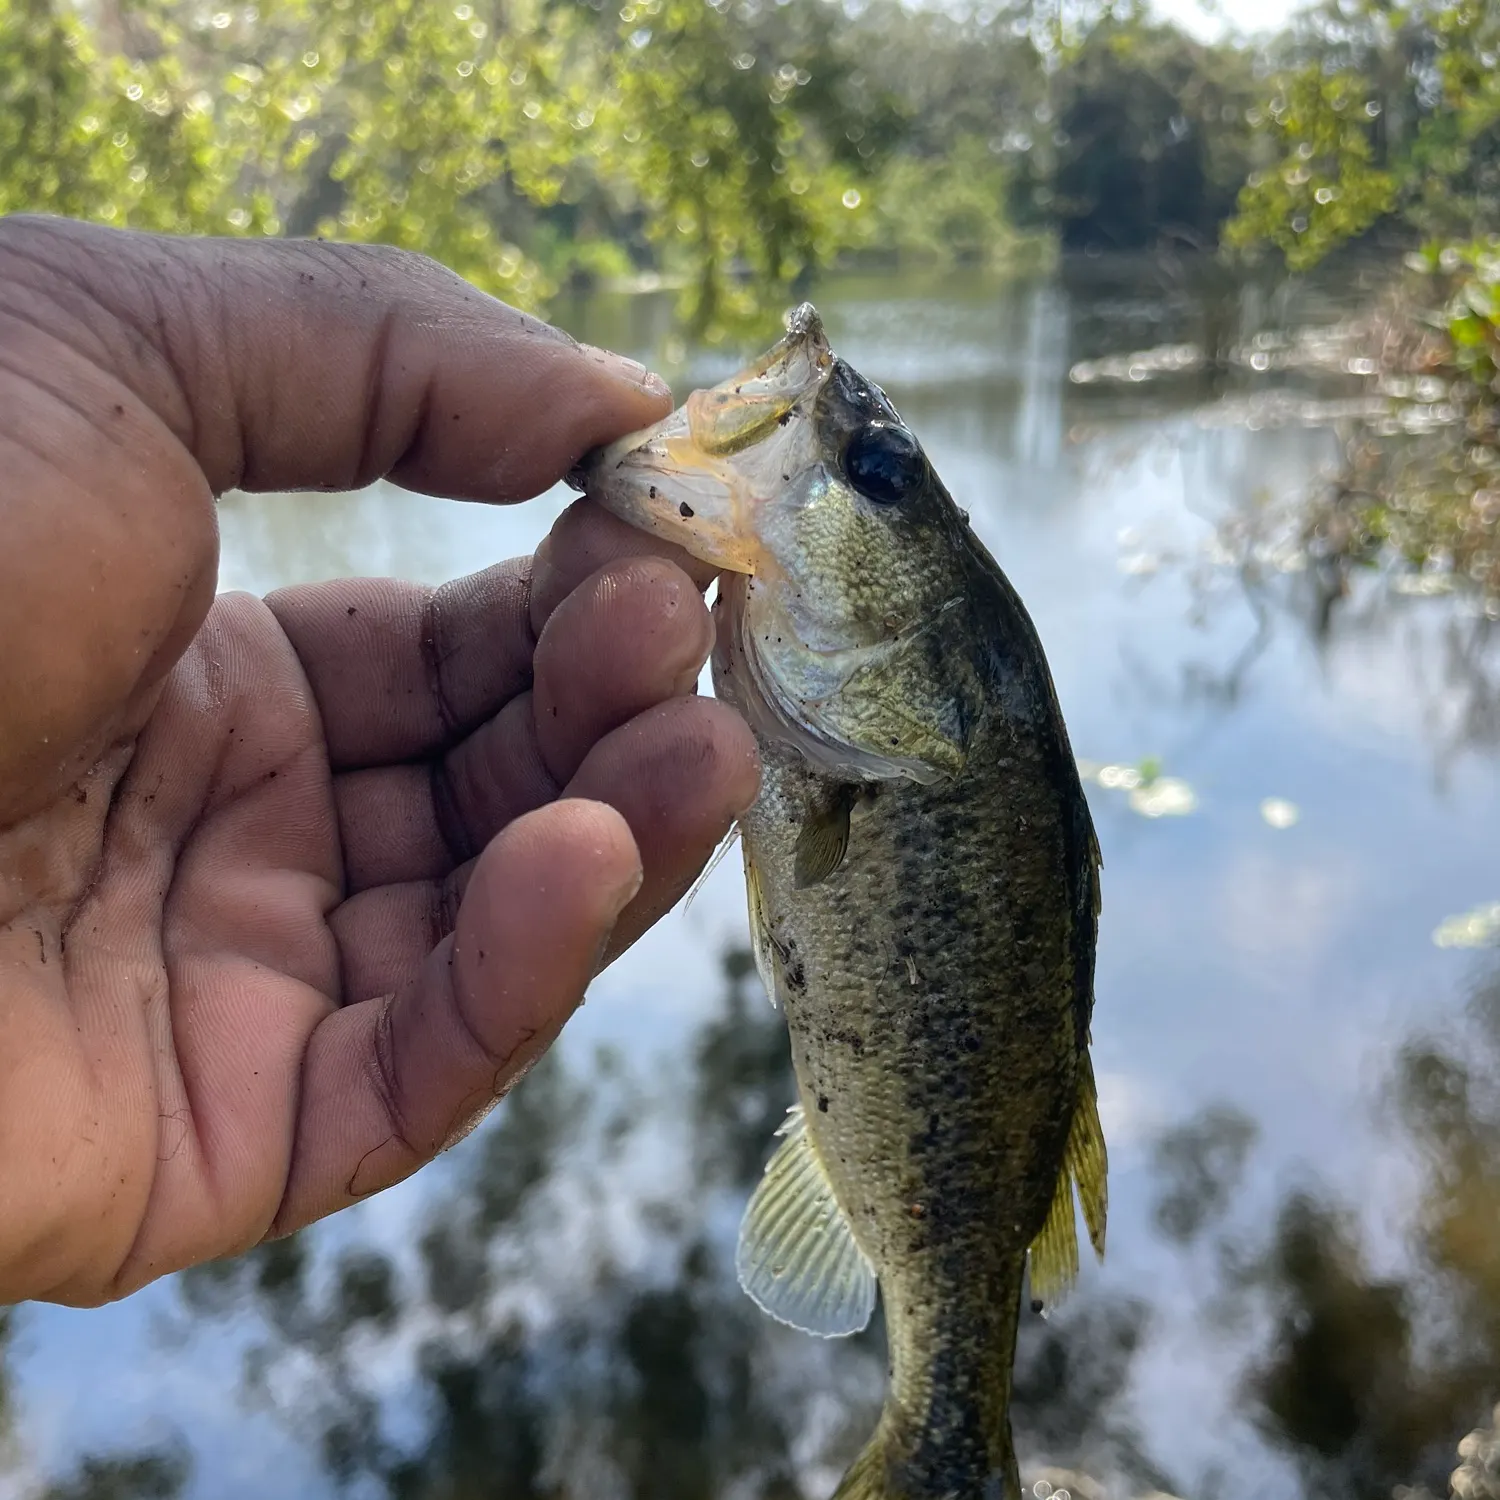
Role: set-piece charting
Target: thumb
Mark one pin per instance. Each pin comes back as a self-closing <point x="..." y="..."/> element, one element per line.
<point x="389" y="1083"/>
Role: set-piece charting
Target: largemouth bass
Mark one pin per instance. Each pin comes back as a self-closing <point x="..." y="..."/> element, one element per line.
<point x="923" y="887"/>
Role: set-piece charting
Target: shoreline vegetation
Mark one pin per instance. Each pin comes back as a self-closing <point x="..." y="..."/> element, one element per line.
<point x="730" y="151"/>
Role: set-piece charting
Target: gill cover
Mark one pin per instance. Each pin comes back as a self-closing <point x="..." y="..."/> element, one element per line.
<point x="841" y="613"/>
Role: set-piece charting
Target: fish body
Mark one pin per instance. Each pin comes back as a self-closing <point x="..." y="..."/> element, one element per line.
<point x="923" y="888"/>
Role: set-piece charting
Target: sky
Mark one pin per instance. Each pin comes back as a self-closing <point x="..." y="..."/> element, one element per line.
<point x="1212" y="20"/>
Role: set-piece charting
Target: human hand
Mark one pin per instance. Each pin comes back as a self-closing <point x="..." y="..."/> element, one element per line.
<point x="292" y="890"/>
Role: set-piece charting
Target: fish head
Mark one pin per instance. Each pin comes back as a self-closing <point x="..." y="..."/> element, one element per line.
<point x="842" y="553"/>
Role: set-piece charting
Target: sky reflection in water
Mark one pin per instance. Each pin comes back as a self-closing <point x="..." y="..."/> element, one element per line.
<point x="1300" y="1296"/>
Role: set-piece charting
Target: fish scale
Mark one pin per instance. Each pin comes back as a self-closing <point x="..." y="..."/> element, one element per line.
<point x="939" y="1087"/>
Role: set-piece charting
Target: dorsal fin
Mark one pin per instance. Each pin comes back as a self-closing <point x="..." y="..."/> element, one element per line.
<point x="1054" y="1252"/>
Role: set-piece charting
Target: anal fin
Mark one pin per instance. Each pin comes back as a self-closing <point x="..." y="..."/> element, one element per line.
<point x="797" y="1258"/>
<point x="1054" y="1252"/>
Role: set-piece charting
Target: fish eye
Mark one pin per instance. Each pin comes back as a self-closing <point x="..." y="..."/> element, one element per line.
<point x="884" y="463"/>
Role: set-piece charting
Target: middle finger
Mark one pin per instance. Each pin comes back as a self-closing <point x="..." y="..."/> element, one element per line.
<point x="634" y="634"/>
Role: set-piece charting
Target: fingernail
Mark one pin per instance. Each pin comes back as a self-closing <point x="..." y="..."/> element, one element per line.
<point x="631" y="371"/>
<point x="625" y="893"/>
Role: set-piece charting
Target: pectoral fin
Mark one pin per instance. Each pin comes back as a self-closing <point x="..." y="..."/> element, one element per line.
<point x="1054" y="1252"/>
<point x="797" y="1258"/>
<point x="822" y="844"/>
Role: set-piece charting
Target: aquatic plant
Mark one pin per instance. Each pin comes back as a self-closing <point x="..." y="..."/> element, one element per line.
<point x="1422" y="480"/>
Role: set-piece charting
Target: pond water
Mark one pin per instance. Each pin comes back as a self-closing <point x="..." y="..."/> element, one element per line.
<point x="1296" y="784"/>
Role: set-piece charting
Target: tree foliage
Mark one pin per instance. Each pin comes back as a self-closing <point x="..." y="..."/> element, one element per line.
<point x="504" y="140"/>
<point x="733" y="146"/>
<point x="738" y="146"/>
<point x="1324" y="187"/>
<point x="1378" y="112"/>
<point x="1143" y="137"/>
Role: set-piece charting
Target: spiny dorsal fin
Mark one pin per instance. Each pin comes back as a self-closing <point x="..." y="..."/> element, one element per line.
<point x="1054" y="1252"/>
<point x="823" y="843"/>
<point x="797" y="1258"/>
<point x="725" y="846"/>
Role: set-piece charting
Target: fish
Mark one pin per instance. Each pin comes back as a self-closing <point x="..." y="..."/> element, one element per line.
<point x="923" y="884"/>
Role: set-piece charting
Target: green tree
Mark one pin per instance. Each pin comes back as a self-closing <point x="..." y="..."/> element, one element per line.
<point x="1324" y="187"/>
<point x="739" y="120"/>
<point x="485" y="135"/>
<point x="1378" y="111"/>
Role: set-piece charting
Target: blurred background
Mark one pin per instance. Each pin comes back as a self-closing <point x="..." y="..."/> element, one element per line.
<point x="1195" y="309"/>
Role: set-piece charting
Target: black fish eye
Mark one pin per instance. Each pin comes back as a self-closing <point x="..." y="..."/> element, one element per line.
<point x="884" y="463"/>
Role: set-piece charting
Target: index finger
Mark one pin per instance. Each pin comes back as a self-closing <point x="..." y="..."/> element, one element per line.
<point x="400" y="671"/>
<point x="142" y="374"/>
<point x="295" y="364"/>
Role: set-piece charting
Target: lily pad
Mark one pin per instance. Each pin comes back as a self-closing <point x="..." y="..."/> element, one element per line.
<point x="1165" y="797"/>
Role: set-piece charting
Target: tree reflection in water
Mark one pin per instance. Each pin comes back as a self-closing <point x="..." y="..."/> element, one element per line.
<point x="565" y="1322"/>
<point x="571" y="1325"/>
<point x="158" y="1474"/>
<point x="1369" y="1382"/>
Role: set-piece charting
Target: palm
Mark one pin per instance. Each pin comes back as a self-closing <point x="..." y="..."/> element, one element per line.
<point x="289" y="895"/>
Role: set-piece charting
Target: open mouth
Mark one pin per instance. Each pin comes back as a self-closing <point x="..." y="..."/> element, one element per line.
<point x="698" y="477"/>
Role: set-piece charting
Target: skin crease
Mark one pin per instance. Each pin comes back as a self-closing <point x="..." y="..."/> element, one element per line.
<point x="292" y="890"/>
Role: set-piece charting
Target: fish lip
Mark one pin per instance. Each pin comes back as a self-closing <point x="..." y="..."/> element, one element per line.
<point x="696" y="477"/>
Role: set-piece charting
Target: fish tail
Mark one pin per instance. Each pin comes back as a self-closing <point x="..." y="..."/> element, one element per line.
<point x="870" y="1477"/>
<point x="880" y="1473"/>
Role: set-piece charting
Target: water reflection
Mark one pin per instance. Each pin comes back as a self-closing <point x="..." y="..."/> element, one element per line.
<point x="1200" y="1163"/>
<point x="1366" y="1377"/>
<point x="633" y="1367"/>
<point x="156" y="1475"/>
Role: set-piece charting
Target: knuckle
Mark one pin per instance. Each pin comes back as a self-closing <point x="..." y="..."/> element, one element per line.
<point x="385" y="1078"/>
<point x="443" y="918"/>
<point x="451" y="796"/>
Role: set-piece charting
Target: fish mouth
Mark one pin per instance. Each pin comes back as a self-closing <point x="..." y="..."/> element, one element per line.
<point x="699" y="477"/>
